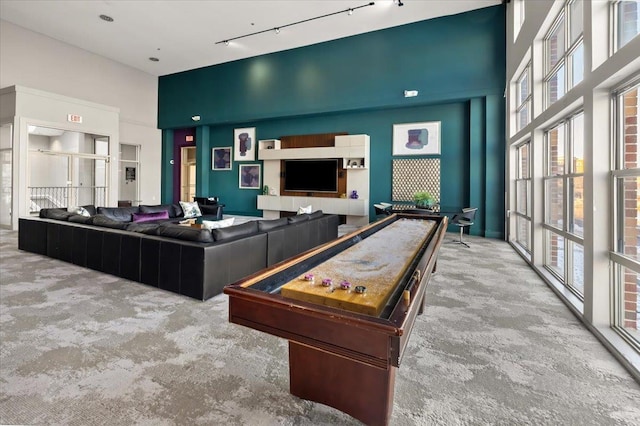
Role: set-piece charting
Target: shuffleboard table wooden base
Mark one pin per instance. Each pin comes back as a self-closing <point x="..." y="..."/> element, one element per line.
<point x="345" y="355"/>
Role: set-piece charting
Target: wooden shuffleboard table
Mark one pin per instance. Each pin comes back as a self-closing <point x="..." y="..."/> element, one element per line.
<point x="347" y="309"/>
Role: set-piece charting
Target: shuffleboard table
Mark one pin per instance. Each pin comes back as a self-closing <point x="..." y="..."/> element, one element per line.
<point x="347" y="309"/>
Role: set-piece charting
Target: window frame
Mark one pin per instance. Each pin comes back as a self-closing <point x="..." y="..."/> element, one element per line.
<point x="526" y="103"/>
<point x="569" y="47"/>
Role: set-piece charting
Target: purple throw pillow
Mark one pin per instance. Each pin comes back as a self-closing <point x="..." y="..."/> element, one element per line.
<point x="146" y="217"/>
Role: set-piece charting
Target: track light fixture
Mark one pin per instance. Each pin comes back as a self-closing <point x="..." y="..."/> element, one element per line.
<point x="277" y="29"/>
<point x="398" y="2"/>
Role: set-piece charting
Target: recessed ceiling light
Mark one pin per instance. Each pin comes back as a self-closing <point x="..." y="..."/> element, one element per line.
<point x="152" y="59"/>
<point x="106" y="18"/>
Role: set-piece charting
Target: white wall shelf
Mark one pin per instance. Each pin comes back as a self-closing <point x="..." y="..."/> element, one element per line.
<point x="349" y="148"/>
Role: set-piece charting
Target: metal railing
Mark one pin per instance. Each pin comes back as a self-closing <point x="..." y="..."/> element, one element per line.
<point x="46" y="197"/>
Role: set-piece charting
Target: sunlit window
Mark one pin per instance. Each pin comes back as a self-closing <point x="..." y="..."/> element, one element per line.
<point x="564" y="52"/>
<point x="627" y="21"/>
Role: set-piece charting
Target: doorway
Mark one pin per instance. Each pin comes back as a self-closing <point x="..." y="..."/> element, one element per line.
<point x="129" y="175"/>
<point x="6" y="192"/>
<point x="66" y="169"/>
<point x="187" y="173"/>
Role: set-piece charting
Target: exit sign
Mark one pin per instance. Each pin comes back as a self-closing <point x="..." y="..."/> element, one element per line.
<point x="74" y="118"/>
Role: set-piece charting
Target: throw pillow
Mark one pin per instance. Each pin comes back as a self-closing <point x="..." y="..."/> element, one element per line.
<point x="146" y="217"/>
<point x="216" y="224"/>
<point x="190" y="209"/>
<point x="303" y="210"/>
<point x="79" y="210"/>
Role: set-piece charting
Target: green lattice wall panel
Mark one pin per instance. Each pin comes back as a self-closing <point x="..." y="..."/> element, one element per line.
<point x="410" y="176"/>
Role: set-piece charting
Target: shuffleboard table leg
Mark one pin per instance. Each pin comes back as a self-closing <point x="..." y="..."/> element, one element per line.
<point x="361" y="390"/>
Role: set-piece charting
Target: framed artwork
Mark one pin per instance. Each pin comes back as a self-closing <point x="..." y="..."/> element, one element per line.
<point x="244" y="141"/>
<point x="249" y="176"/>
<point x="416" y="138"/>
<point x="221" y="158"/>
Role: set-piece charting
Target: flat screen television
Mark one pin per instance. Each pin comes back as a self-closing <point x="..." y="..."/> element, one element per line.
<point x="311" y="175"/>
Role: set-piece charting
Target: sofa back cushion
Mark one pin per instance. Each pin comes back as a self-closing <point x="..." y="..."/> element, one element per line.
<point x="186" y="233"/>
<point x="169" y="208"/>
<point x="144" y="228"/>
<point x="268" y="225"/>
<point x="121" y="214"/>
<point x="298" y="218"/>
<point x="55" y="213"/>
<point x="237" y="231"/>
<point x="315" y="215"/>
<point x="146" y="217"/>
<point x="78" y="218"/>
<point x="108" y="222"/>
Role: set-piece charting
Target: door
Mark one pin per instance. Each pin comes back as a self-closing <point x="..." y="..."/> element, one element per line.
<point x="129" y="175"/>
<point x="188" y="173"/>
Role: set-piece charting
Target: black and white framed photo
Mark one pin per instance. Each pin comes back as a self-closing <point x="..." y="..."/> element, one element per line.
<point x="249" y="176"/>
<point x="221" y="158"/>
<point x="245" y="144"/>
<point x="416" y="138"/>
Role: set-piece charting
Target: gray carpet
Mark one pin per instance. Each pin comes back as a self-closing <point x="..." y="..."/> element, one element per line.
<point x="494" y="346"/>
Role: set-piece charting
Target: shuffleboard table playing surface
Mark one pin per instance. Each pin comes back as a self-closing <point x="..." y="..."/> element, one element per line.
<point x="376" y="263"/>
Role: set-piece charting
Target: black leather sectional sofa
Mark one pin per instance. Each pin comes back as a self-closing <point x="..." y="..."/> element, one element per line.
<point x="193" y="262"/>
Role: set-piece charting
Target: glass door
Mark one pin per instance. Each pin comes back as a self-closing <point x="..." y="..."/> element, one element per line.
<point x="129" y="175"/>
<point x="6" y="179"/>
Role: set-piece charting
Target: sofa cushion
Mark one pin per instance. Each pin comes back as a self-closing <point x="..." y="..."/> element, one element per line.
<point x="144" y="228"/>
<point x="108" y="222"/>
<point x="79" y="210"/>
<point x="78" y="218"/>
<point x="90" y="208"/>
<point x="215" y="224"/>
<point x="268" y="225"/>
<point x="177" y="210"/>
<point x="190" y="209"/>
<point x="146" y="217"/>
<point x="169" y="208"/>
<point x="200" y="235"/>
<point x="298" y="218"/>
<point x="315" y="215"/>
<point x="237" y="231"/>
<point x="121" y="214"/>
<point x="57" y="214"/>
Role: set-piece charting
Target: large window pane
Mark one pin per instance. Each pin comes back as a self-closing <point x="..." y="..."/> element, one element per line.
<point x="630" y="129"/>
<point x="523" y="164"/>
<point x="576" y="198"/>
<point x="628" y="282"/>
<point x="628" y="21"/>
<point x="555" y="85"/>
<point x="575" y="11"/>
<point x="555" y="45"/>
<point x="522" y="202"/>
<point x="523" y="117"/>
<point x="554" y="202"/>
<point x="577" y="144"/>
<point x="523" y="87"/>
<point x="556" y="151"/>
<point x="554" y="253"/>
<point x="629" y="216"/>
<point x="577" y="65"/>
<point x="577" y="267"/>
<point x="523" y="232"/>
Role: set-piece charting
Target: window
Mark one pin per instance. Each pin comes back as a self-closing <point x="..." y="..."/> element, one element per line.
<point x="563" y="203"/>
<point x="627" y="21"/>
<point x="518" y="17"/>
<point x="564" y="52"/>
<point x="523" y="196"/>
<point x="523" y="109"/>
<point x="625" y="256"/>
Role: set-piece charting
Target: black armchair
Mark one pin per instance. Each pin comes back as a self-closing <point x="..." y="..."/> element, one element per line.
<point x="464" y="220"/>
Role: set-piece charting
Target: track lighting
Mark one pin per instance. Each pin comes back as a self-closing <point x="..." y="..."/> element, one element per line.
<point x="277" y="29"/>
<point x="398" y="2"/>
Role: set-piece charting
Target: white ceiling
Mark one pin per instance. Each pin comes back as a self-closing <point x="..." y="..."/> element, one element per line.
<point x="182" y="34"/>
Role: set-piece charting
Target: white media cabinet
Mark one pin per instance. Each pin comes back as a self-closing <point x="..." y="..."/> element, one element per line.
<point x="354" y="152"/>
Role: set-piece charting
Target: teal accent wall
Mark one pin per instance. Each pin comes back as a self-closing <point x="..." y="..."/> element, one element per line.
<point x="166" y="184"/>
<point x="356" y="85"/>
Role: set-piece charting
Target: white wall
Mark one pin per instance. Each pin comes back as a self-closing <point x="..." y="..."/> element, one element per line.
<point x="32" y="60"/>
